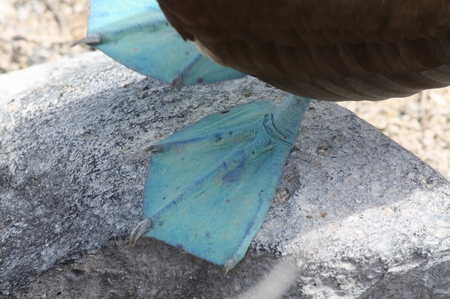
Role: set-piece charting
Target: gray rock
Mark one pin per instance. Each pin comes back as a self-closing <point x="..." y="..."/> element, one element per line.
<point x="356" y="215"/>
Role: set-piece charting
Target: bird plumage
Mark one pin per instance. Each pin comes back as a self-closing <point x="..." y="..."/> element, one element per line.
<point x="327" y="50"/>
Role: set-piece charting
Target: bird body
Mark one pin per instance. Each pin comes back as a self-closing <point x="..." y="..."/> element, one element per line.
<point x="326" y="49"/>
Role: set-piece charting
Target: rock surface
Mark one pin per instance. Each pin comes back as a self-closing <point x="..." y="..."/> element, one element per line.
<point x="357" y="216"/>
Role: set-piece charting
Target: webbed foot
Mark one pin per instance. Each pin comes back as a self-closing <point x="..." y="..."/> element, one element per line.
<point x="209" y="186"/>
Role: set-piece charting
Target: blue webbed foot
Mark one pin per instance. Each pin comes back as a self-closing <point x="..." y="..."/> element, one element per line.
<point x="210" y="185"/>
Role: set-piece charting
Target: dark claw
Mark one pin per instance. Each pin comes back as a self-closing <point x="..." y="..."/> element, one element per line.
<point x="154" y="148"/>
<point x="176" y="82"/>
<point x="89" y="40"/>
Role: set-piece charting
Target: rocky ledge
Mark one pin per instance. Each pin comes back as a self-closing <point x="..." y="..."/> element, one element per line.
<point x="356" y="215"/>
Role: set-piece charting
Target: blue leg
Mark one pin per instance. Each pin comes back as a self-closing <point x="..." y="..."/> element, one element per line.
<point x="210" y="185"/>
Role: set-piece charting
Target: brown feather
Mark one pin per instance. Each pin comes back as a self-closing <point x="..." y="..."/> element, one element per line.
<point x="325" y="49"/>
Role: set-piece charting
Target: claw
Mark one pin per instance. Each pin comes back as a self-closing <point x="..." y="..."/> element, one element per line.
<point x="178" y="79"/>
<point x="141" y="228"/>
<point x="230" y="263"/>
<point x="154" y="148"/>
<point x="88" y="40"/>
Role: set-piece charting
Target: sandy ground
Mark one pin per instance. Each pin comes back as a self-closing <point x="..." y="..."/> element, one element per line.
<point x="420" y="123"/>
<point x="38" y="31"/>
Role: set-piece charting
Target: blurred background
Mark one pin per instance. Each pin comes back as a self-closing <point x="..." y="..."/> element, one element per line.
<point x="39" y="31"/>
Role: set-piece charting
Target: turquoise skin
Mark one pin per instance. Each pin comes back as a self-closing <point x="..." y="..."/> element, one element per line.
<point x="210" y="185"/>
<point x="138" y="35"/>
